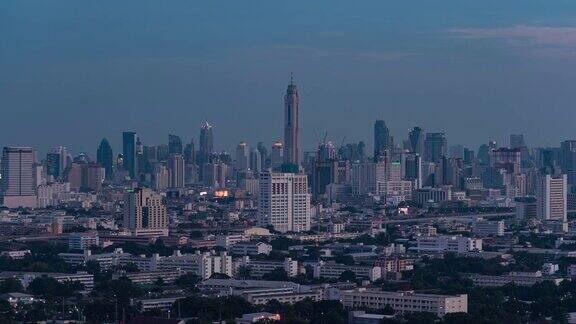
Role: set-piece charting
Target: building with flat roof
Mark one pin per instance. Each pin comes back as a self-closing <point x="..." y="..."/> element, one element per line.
<point x="405" y="302"/>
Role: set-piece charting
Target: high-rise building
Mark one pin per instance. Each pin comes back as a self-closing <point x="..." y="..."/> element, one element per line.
<point x="435" y="147"/>
<point x="206" y="147"/>
<point x="53" y="165"/>
<point x="369" y="178"/>
<point x="568" y="160"/>
<point x="284" y="201"/>
<point x="292" y="125"/>
<point x="517" y="141"/>
<point x="145" y="213"/>
<point x="416" y="140"/>
<point x="86" y="177"/>
<point x="176" y="169"/>
<point x="206" y="141"/>
<point x="382" y="140"/>
<point x="17" y="181"/>
<point x="242" y="156"/>
<point x="190" y="153"/>
<point x="551" y="195"/>
<point x="277" y="155"/>
<point x="160" y="177"/>
<point x="255" y="161"/>
<point x="105" y="158"/>
<point x="174" y="144"/>
<point x="130" y="153"/>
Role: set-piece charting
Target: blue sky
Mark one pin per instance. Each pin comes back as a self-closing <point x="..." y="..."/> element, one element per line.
<point x="72" y="72"/>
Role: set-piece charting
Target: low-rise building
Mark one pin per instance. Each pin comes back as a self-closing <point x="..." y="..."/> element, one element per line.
<point x="445" y="243"/>
<point x="250" y="248"/>
<point x="403" y="302"/>
<point x="334" y="270"/>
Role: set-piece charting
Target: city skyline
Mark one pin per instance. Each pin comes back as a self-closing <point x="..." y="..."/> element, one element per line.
<point x="475" y="67"/>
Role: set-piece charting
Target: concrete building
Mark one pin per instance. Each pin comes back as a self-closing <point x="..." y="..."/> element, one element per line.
<point x="176" y="171"/>
<point x="405" y="302"/>
<point x="551" y="195"/>
<point x="17" y="182"/>
<point x="145" y="213"/>
<point x="292" y="125"/>
<point x="484" y="228"/>
<point x="250" y="248"/>
<point x="334" y="270"/>
<point x="444" y="243"/>
<point x="284" y="201"/>
<point x="82" y="241"/>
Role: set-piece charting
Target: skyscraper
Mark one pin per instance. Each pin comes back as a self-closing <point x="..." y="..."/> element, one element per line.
<point x="130" y="152"/>
<point x="517" y="141"/>
<point x="206" y="147"/>
<point x="105" y="158"/>
<point x="57" y="162"/>
<point x="206" y="141"/>
<point x="174" y="144"/>
<point x="145" y="213"/>
<point x="381" y="139"/>
<point x="284" y="202"/>
<point x="435" y="147"/>
<point x="276" y="155"/>
<point x="17" y="181"/>
<point x="416" y="139"/>
<point x="190" y="153"/>
<point x="292" y="125"/>
<point x="551" y="195"/>
<point x="176" y="169"/>
<point x="242" y="156"/>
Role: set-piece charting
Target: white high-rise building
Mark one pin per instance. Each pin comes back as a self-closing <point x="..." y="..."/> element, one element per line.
<point x="551" y="195"/>
<point x="144" y="213"/>
<point x="284" y="201"/>
<point x="17" y="184"/>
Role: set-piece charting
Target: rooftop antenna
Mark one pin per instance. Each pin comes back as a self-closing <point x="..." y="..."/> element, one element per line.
<point x="291" y="78"/>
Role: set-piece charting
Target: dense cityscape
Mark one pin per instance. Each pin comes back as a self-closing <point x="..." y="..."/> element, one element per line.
<point x="416" y="232"/>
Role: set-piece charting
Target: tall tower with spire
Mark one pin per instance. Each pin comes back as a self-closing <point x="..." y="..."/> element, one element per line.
<point x="292" y="124"/>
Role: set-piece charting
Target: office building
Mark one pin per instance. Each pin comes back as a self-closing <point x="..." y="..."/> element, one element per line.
<point x="17" y="185"/>
<point x="284" y="201"/>
<point x="105" y="158"/>
<point x="435" y="147"/>
<point x="242" y="156"/>
<point x="551" y="196"/>
<point x="174" y="145"/>
<point x="292" y="125"/>
<point x="130" y="154"/>
<point x="277" y="155"/>
<point x="145" y="213"/>
<point x="416" y="141"/>
<point x="382" y="140"/>
<point x="176" y="170"/>
<point x="86" y="177"/>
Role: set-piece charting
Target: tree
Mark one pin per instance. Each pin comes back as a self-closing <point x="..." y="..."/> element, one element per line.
<point x="348" y="275"/>
<point x="244" y="272"/>
<point x="346" y="259"/>
<point x="6" y="311"/>
<point x="10" y="285"/>
<point x="188" y="281"/>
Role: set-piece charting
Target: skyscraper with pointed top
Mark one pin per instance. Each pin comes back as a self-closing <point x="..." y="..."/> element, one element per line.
<point x="292" y="124"/>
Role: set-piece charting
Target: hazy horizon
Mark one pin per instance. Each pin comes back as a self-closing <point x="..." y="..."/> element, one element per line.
<point x="74" y="72"/>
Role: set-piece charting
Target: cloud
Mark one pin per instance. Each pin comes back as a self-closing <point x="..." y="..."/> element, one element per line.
<point x="563" y="37"/>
